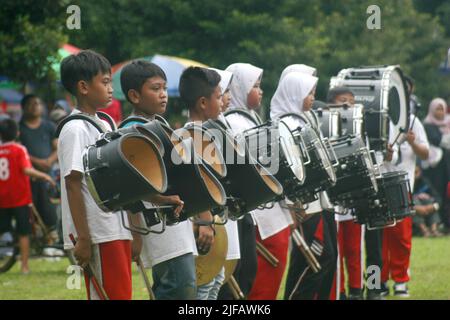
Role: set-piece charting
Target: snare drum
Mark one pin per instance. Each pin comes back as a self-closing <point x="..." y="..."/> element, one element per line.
<point x="275" y="147"/>
<point x="390" y="204"/>
<point x="319" y="171"/>
<point x="329" y="123"/>
<point x="356" y="174"/>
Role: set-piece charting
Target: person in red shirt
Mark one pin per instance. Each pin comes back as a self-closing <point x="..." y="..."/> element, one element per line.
<point x="15" y="189"/>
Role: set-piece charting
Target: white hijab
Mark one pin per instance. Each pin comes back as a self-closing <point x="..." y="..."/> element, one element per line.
<point x="302" y="68"/>
<point x="245" y="76"/>
<point x="225" y="79"/>
<point x="291" y="92"/>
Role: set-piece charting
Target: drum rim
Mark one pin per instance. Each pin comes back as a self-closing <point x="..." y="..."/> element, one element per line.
<point x="222" y="163"/>
<point x="220" y="126"/>
<point x="301" y="179"/>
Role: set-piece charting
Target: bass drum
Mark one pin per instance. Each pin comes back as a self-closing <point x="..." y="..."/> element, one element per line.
<point x="382" y="91"/>
<point x="132" y="159"/>
<point x="319" y="170"/>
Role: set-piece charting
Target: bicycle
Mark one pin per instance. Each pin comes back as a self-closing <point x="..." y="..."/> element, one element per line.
<point x="41" y="238"/>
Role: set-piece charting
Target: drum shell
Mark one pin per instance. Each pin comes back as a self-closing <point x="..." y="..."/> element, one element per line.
<point x="184" y="173"/>
<point x="106" y="164"/>
<point x="392" y="202"/>
<point x="244" y="180"/>
<point x="353" y="181"/>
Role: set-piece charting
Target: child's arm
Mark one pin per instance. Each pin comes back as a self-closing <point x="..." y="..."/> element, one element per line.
<point x="75" y="198"/>
<point x="32" y="172"/>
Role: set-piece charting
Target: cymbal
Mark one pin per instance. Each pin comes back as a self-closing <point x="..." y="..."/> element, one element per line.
<point x="209" y="265"/>
<point x="230" y="266"/>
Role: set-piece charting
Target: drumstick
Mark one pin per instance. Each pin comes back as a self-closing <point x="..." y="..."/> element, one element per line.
<point x="266" y="254"/>
<point x="98" y="288"/>
<point x="304" y="248"/>
<point x="146" y="280"/>
<point x="235" y="289"/>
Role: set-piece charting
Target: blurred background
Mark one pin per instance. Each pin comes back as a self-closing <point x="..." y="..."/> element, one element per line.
<point x="330" y="35"/>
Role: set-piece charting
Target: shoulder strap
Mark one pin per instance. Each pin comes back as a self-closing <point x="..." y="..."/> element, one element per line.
<point x="78" y="117"/>
<point x="133" y="119"/>
<point x="106" y="117"/>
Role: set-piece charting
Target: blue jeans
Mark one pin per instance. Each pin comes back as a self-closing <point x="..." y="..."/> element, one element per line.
<point x="175" y="279"/>
<point x="210" y="291"/>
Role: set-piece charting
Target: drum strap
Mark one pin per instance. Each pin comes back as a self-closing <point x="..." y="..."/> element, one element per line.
<point x="81" y="116"/>
<point x="133" y="119"/>
<point x="106" y="117"/>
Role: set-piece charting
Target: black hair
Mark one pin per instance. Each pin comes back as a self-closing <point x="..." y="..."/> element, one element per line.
<point x="196" y="82"/>
<point x="84" y="65"/>
<point x="8" y="130"/>
<point x="26" y="99"/>
<point x="135" y="73"/>
<point x="337" y="91"/>
<point x="410" y="82"/>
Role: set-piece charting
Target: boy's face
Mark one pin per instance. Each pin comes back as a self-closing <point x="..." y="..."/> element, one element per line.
<point x="255" y="95"/>
<point x="345" y="98"/>
<point x="33" y="108"/>
<point x="212" y="106"/>
<point x="309" y="100"/>
<point x="153" y="97"/>
<point x="98" y="91"/>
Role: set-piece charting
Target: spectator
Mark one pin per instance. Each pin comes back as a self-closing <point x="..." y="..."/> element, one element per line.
<point x="427" y="203"/>
<point x="38" y="136"/>
<point x="437" y="168"/>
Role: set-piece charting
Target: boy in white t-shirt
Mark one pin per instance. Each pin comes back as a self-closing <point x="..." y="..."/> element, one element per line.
<point x="102" y="240"/>
<point x="171" y="253"/>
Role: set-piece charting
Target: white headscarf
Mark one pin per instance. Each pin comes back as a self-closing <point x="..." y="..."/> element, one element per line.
<point x="245" y="76"/>
<point x="302" y="68"/>
<point x="225" y="78"/>
<point x="291" y="92"/>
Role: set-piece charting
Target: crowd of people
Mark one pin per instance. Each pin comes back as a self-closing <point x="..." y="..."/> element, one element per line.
<point x="31" y="149"/>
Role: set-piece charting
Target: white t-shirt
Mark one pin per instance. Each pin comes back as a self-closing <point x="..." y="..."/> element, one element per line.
<point x="234" y="252"/>
<point x="175" y="241"/>
<point x="408" y="157"/>
<point x="103" y="226"/>
<point x="271" y="221"/>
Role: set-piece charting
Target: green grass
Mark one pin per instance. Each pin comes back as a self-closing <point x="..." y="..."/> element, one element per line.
<point x="430" y="276"/>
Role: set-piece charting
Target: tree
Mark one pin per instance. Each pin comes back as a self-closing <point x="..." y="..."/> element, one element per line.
<point x="30" y="35"/>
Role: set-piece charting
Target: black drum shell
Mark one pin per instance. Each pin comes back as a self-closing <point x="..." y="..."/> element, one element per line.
<point x="105" y="165"/>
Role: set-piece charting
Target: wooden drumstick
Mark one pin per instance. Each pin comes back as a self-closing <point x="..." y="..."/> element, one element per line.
<point x="235" y="289"/>
<point x="97" y="286"/>
<point x="146" y="280"/>
<point x="306" y="251"/>
<point x="266" y="254"/>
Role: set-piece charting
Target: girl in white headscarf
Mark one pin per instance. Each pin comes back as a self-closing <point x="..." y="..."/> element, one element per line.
<point x="245" y="89"/>
<point x="295" y="94"/>
<point x="302" y="68"/>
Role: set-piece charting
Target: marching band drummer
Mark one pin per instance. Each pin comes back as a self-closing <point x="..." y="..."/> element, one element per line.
<point x="171" y="253"/>
<point x="350" y="234"/>
<point x="303" y="283"/>
<point x="397" y="241"/>
<point x="201" y="93"/>
<point x="245" y="94"/>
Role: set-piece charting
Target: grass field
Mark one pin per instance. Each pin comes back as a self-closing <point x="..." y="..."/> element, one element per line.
<point x="430" y="276"/>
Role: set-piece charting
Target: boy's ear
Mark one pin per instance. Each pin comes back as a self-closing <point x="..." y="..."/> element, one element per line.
<point x="82" y="87"/>
<point x="134" y="96"/>
<point x="202" y="103"/>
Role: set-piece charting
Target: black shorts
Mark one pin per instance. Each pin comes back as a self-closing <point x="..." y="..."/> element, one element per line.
<point x="22" y="217"/>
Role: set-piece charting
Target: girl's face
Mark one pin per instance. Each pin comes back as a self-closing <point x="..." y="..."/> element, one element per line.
<point x="439" y="113"/>
<point x="226" y="99"/>
<point x="255" y="95"/>
<point x="309" y="100"/>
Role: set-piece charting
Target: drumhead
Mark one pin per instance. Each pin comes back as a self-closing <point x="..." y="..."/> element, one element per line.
<point x="291" y="151"/>
<point x="394" y="97"/>
<point x="295" y="121"/>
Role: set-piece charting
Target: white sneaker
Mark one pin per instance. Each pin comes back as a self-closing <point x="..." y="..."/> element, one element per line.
<point x="401" y="290"/>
